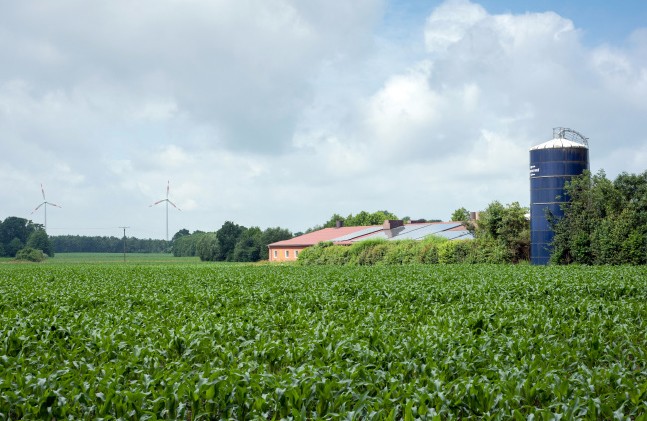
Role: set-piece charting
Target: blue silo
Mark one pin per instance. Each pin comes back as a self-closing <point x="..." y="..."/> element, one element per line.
<point x="552" y="164"/>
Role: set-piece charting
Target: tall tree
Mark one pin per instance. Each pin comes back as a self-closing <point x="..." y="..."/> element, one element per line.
<point x="248" y="246"/>
<point x="460" y="214"/>
<point x="39" y="240"/>
<point x="181" y="233"/>
<point x="14" y="232"/>
<point x="227" y="237"/>
<point x="208" y="247"/>
<point x="604" y="222"/>
<point x="508" y="226"/>
<point x="14" y="246"/>
<point x="360" y="219"/>
<point x="364" y="218"/>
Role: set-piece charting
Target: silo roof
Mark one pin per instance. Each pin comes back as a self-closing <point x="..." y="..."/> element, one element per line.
<point x="559" y="143"/>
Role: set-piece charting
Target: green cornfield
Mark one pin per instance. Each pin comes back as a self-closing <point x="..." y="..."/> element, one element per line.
<point x="203" y="341"/>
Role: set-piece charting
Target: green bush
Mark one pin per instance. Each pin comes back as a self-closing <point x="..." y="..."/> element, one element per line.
<point x="428" y="249"/>
<point x="633" y="249"/>
<point x="458" y="251"/>
<point x="446" y="252"/>
<point x="30" y="254"/>
<point x="401" y="252"/>
<point x="432" y="250"/>
<point x="313" y="255"/>
<point x="484" y="250"/>
<point x="336" y="255"/>
<point x="373" y="255"/>
<point x="428" y="253"/>
<point x="463" y="251"/>
<point x="361" y="252"/>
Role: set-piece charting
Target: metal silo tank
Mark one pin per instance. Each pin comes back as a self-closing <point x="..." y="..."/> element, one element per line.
<point x="552" y="164"/>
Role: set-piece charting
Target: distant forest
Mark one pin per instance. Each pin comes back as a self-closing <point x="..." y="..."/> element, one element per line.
<point x="87" y="244"/>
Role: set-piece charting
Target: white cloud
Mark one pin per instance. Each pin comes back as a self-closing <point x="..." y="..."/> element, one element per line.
<point x="450" y="23"/>
<point x="174" y="157"/>
<point x="280" y="112"/>
<point x="404" y="108"/>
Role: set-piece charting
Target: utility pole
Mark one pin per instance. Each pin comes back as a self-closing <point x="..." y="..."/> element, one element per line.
<point x="124" y="228"/>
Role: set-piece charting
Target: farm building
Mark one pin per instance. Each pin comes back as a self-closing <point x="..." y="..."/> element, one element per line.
<point x="288" y="250"/>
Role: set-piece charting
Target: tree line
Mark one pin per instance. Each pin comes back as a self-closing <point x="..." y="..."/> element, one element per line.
<point x="103" y="244"/>
<point x="363" y="218"/>
<point x="231" y="243"/>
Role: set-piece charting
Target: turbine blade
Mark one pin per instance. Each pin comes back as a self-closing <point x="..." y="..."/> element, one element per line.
<point x="168" y="187"/>
<point x="42" y="190"/>
<point x="54" y="204"/>
<point x="37" y="207"/>
<point x="157" y="203"/>
<point x="173" y="204"/>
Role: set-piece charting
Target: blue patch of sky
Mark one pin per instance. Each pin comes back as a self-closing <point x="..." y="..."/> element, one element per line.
<point x="600" y="21"/>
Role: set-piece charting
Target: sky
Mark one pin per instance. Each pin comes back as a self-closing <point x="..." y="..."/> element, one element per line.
<point x="281" y="113"/>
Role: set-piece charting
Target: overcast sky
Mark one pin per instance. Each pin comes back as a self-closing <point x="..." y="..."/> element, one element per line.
<point x="280" y="113"/>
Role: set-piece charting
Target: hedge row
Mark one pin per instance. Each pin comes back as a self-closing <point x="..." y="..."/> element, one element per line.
<point x="429" y="251"/>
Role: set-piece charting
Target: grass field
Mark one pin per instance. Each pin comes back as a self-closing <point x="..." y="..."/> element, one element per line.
<point x="110" y="258"/>
<point x="205" y="341"/>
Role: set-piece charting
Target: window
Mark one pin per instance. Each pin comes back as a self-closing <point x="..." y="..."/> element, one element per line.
<point x="287" y="253"/>
<point x="276" y="254"/>
<point x="296" y="253"/>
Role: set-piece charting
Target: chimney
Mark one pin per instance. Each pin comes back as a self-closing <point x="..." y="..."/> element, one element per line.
<point x="339" y="223"/>
<point x="474" y="216"/>
<point x="390" y="224"/>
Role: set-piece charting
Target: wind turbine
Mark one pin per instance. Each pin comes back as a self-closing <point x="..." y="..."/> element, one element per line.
<point x="167" y="203"/>
<point x="44" y="204"/>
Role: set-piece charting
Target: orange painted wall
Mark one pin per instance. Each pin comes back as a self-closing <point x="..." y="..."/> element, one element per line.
<point x="280" y="254"/>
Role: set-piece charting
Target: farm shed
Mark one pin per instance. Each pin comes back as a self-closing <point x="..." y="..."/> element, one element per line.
<point x="288" y="250"/>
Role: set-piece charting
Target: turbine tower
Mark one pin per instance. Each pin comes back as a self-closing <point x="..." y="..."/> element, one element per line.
<point x="167" y="203"/>
<point x="44" y="204"/>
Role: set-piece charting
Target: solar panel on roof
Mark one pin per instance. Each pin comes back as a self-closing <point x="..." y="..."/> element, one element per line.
<point x="379" y="234"/>
<point x="411" y="231"/>
<point x="386" y="235"/>
<point x="405" y="231"/>
<point x="453" y="235"/>
<point x="356" y="234"/>
<point x="427" y="230"/>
